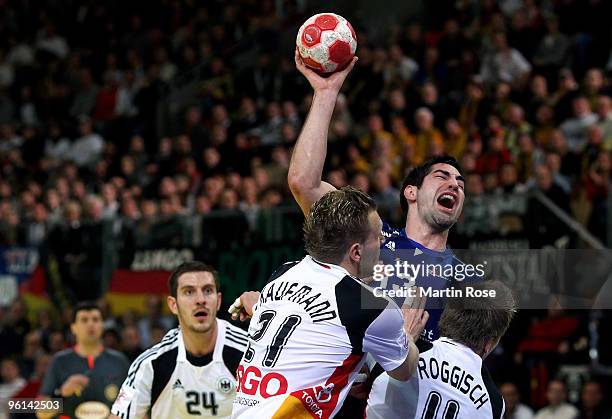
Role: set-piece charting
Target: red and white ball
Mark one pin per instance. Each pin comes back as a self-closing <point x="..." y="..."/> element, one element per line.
<point x="326" y="42"/>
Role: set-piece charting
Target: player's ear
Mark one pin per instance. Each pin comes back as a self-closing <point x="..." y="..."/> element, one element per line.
<point x="219" y="299"/>
<point x="171" y="301"/>
<point x="354" y="252"/>
<point x="410" y="193"/>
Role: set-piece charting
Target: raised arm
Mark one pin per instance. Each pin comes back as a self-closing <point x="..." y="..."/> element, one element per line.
<point x="306" y="168"/>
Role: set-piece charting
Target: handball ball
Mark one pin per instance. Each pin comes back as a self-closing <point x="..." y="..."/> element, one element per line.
<point x="326" y="42"/>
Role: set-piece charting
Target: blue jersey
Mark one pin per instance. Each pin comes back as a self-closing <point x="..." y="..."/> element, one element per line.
<point x="428" y="269"/>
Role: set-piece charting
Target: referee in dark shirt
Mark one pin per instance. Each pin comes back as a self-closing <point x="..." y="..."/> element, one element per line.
<point x="88" y="376"/>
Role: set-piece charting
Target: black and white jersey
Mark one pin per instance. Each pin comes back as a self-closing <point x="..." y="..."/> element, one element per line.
<point x="307" y="341"/>
<point x="451" y="383"/>
<point x="170" y="383"/>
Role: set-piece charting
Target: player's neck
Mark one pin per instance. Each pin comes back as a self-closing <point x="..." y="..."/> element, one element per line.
<point x="199" y="344"/>
<point x="88" y="349"/>
<point x="423" y="234"/>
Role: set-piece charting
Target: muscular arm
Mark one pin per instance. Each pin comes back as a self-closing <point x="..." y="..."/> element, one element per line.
<point x="306" y="167"/>
<point x="415" y="319"/>
<point x="409" y="366"/>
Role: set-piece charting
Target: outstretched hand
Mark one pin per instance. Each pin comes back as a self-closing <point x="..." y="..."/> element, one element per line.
<point x="319" y="83"/>
<point x="242" y="308"/>
<point x="415" y="317"/>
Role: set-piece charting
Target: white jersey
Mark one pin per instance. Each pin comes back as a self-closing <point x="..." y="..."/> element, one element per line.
<point x="451" y="383"/>
<point x="307" y="341"/>
<point x="165" y="381"/>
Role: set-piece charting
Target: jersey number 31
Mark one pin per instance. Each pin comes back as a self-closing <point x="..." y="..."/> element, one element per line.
<point x="278" y="341"/>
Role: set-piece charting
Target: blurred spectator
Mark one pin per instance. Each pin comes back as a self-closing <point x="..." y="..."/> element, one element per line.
<point x="426" y="134"/>
<point x="495" y="157"/>
<point x="32" y="349"/>
<point x="385" y="194"/>
<point x="376" y="131"/>
<point x="528" y="157"/>
<point x="562" y="100"/>
<point x="51" y="42"/>
<point x="504" y="64"/>
<point x="85" y="99"/>
<point x="478" y="216"/>
<point x="36" y="228"/>
<point x="544" y="183"/>
<point x="57" y="342"/>
<point x="553" y="161"/>
<point x="14" y="329"/>
<point x="75" y="244"/>
<point x="514" y="408"/>
<point x="604" y="122"/>
<point x="157" y="334"/>
<point x="131" y="344"/>
<point x="111" y="339"/>
<point x="400" y="68"/>
<point x="516" y="126"/>
<point x="32" y="387"/>
<point x="557" y="407"/>
<point x="596" y="185"/>
<point x="575" y="129"/>
<point x="86" y="149"/>
<point x="594" y="82"/>
<point x="560" y="337"/>
<point x="456" y="139"/>
<point x="154" y="317"/>
<point x="12" y="383"/>
<point x="45" y="326"/>
<point x="552" y="49"/>
<point x="592" y="404"/>
<point x="511" y="202"/>
<point x="248" y="203"/>
<point x="542" y="227"/>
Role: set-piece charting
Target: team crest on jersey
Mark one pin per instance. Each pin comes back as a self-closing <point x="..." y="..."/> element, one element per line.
<point x="225" y="385"/>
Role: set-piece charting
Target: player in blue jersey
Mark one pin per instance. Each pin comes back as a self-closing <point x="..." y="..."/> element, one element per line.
<point x="432" y="197"/>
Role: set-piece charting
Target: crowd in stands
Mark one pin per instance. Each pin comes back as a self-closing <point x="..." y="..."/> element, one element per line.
<point x="517" y="90"/>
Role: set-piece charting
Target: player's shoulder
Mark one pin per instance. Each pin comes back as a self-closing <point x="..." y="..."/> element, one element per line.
<point x="388" y="231"/>
<point x="281" y="270"/>
<point x="235" y="337"/>
<point x="351" y="291"/>
<point x="358" y="306"/>
<point x="168" y="342"/>
<point x="234" y="345"/>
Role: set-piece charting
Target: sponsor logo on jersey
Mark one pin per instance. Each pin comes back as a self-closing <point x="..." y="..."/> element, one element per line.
<point x="323" y="394"/>
<point x="178" y="384"/>
<point x="391" y="246"/>
<point x="252" y="381"/>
